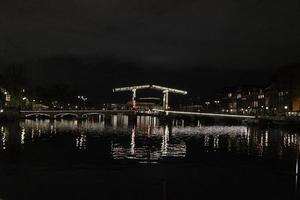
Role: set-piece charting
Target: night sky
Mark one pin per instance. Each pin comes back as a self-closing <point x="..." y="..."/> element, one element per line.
<point x="192" y="44"/>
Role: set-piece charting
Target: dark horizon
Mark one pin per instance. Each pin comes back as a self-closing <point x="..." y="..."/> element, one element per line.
<point x="172" y="34"/>
<point x="96" y="77"/>
<point x="199" y="46"/>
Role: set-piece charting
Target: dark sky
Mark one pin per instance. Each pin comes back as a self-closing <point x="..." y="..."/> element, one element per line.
<point x="181" y="36"/>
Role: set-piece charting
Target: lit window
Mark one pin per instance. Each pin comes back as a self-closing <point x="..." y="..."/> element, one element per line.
<point x="283" y="93"/>
<point x="255" y="104"/>
<point x="261" y="96"/>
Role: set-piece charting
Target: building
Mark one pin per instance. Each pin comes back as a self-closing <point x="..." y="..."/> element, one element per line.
<point x="280" y="97"/>
<point x="193" y="108"/>
<point x="243" y="100"/>
<point x="39" y="106"/>
<point x="283" y="94"/>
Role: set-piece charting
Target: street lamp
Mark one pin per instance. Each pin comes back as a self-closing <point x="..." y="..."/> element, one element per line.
<point x="217" y="102"/>
<point x="207" y="104"/>
<point x="25" y="102"/>
<point x="84" y="99"/>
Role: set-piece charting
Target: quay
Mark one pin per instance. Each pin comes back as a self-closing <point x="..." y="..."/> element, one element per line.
<point x="164" y="116"/>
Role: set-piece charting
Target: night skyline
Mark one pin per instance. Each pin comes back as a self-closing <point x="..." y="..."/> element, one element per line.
<point x="170" y="34"/>
<point x="95" y="77"/>
<point x="89" y="44"/>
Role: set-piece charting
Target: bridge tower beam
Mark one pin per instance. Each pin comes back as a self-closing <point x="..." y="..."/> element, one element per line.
<point x="165" y="91"/>
<point x="166" y="100"/>
<point x="133" y="89"/>
<point x="134" y="99"/>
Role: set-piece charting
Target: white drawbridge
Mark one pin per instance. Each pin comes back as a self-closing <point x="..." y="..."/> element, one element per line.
<point x="165" y="91"/>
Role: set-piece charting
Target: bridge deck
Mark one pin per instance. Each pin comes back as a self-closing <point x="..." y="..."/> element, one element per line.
<point x="75" y="111"/>
<point x="153" y="112"/>
<point x="207" y="114"/>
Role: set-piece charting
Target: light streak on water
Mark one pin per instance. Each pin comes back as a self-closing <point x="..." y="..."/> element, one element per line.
<point x="149" y="141"/>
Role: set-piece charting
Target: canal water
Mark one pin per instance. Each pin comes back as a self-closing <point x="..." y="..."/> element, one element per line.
<point x="150" y="141"/>
<point x="92" y="142"/>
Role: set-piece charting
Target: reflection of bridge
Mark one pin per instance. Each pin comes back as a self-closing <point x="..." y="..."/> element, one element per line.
<point x="54" y="114"/>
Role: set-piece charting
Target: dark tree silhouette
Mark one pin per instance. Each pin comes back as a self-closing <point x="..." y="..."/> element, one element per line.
<point x="14" y="81"/>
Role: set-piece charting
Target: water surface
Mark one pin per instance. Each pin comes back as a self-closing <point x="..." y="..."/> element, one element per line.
<point x="71" y="159"/>
<point x="148" y="140"/>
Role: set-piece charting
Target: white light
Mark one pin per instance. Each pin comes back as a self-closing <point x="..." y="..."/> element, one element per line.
<point x="1" y="111"/>
<point x="286" y="107"/>
<point x="171" y="90"/>
<point x="207" y="114"/>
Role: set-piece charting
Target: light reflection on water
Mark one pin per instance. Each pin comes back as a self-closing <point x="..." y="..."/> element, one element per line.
<point x="150" y="141"/>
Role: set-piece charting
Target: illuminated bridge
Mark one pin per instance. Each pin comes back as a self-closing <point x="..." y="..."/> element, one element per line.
<point x="213" y="115"/>
<point x="165" y="90"/>
<point x="80" y="114"/>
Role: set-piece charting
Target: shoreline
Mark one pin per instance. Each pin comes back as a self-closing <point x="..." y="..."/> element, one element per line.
<point x="265" y="121"/>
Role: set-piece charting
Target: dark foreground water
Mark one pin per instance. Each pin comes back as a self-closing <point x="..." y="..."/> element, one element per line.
<point x="70" y="159"/>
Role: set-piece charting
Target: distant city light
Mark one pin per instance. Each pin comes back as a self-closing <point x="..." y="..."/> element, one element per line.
<point x="82" y="97"/>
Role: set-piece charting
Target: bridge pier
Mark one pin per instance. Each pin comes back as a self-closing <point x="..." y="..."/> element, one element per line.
<point x="166" y="100"/>
<point x="132" y="119"/>
<point x="166" y="119"/>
